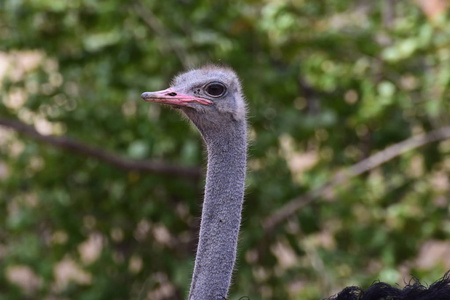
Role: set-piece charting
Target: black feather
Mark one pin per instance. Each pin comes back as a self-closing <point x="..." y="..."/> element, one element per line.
<point x="414" y="290"/>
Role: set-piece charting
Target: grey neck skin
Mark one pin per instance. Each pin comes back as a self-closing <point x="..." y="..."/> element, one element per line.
<point x="221" y="215"/>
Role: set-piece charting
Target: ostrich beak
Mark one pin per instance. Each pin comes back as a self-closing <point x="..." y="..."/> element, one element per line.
<point x="169" y="96"/>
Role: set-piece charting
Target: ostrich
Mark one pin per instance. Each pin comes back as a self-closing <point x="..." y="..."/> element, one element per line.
<point x="211" y="97"/>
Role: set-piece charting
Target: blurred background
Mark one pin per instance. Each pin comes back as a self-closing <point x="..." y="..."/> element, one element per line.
<point x="100" y="193"/>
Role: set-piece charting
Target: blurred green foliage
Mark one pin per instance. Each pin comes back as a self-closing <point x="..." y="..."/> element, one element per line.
<point x="329" y="83"/>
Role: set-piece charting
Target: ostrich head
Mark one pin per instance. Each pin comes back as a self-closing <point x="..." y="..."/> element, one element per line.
<point x="211" y="97"/>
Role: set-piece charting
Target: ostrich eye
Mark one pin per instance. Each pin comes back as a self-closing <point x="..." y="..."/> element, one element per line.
<point x="215" y="89"/>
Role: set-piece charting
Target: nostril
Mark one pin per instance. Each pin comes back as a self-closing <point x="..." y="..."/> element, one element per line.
<point x="172" y="94"/>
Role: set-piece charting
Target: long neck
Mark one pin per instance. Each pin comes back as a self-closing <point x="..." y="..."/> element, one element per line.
<point x="221" y="215"/>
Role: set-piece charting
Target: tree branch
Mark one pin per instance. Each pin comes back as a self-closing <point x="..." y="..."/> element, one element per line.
<point x="359" y="168"/>
<point x="150" y="166"/>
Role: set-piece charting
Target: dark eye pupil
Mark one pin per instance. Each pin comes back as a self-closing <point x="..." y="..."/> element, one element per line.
<point x="215" y="89"/>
